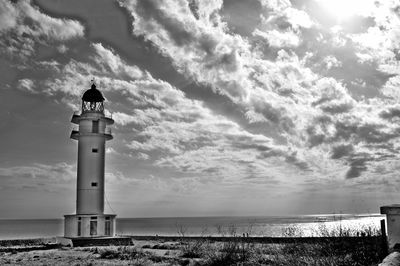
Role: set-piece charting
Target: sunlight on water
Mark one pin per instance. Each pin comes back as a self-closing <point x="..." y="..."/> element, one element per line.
<point x="344" y="227"/>
<point x="269" y="226"/>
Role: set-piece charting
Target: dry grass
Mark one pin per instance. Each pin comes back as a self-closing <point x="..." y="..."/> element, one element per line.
<point x="237" y="251"/>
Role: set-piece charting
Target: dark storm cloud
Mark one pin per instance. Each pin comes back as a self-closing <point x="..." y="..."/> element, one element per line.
<point x="390" y="113"/>
<point x="357" y="161"/>
<point x="317" y="130"/>
<point x="358" y="164"/>
<point x="348" y="130"/>
<point x="274" y="114"/>
<point x="337" y="108"/>
<point x="341" y="151"/>
<point x="369" y="133"/>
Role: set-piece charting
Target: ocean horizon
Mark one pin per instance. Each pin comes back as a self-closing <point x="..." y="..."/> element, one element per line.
<point x="274" y="226"/>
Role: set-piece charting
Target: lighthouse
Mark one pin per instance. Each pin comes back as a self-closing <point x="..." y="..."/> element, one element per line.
<point x="92" y="132"/>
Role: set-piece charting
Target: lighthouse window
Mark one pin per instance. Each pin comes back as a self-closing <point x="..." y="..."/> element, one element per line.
<point x="95" y="150"/>
<point x="79" y="226"/>
<point x="95" y="126"/>
<point x="94" y="184"/>
<point x="107" y="227"/>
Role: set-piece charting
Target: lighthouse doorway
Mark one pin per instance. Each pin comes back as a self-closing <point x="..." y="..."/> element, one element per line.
<point x="93" y="226"/>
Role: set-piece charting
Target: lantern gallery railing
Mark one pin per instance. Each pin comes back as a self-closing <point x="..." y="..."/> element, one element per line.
<point x="107" y="114"/>
<point x="75" y="133"/>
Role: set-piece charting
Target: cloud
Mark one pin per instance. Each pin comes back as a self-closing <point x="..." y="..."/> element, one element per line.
<point x="143" y="156"/>
<point x="62" y="48"/>
<point x="106" y="58"/>
<point x="110" y="150"/>
<point x="279" y="39"/>
<point x="23" y="27"/>
<point x="26" y="85"/>
<point x="357" y="165"/>
<point x="342" y="150"/>
<point x="391" y="113"/>
<point x="167" y="128"/>
<point x="8" y="16"/>
<point x="390" y="88"/>
<point x="123" y="119"/>
<point x="330" y="61"/>
<point x="201" y="47"/>
<point x="59" y="172"/>
<point x="290" y="100"/>
<point x="334" y="97"/>
<point x="287" y="101"/>
<point x="281" y="94"/>
<point x="379" y="43"/>
<point x="281" y="24"/>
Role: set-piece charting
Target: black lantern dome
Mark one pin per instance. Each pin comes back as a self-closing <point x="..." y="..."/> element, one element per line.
<point x="93" y="95"/>
<point x="92" y="100"/>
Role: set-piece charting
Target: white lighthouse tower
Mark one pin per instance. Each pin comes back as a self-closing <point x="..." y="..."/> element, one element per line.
<point x="92" y="134"/>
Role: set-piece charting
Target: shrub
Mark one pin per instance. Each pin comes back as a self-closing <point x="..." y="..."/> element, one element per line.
<point x="122" y="253"/>
<point x="195" y="249"/>
<point x="234" y="252"/>
<point x="323" y="252"/>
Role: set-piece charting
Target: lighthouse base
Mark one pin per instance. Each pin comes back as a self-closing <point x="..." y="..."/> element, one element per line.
<point x="89" y="225"/>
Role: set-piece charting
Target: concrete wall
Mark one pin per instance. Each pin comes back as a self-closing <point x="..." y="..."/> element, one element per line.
<point x="72" y="221"/>
<point x="70" y="228"/>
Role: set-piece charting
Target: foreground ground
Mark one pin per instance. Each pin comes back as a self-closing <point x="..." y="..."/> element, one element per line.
<point x="140" y="253"/>
<point x="201" y="253"/>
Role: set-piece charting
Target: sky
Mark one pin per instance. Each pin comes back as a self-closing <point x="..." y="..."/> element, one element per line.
<point x="257" y="107"/>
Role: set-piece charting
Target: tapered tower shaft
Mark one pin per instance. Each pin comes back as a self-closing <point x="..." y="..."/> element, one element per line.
<point x="91" y="160"/>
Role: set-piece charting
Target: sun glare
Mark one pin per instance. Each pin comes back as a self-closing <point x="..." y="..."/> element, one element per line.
<point x="344" y="9"/>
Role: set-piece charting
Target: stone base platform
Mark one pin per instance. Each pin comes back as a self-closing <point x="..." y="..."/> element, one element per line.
<point x="100" y="241"/>
<point x="89" y="225"/>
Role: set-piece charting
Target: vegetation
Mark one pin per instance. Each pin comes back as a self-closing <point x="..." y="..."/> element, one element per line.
<point x="239" y="251"/>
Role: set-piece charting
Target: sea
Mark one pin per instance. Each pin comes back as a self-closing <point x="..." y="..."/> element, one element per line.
<point x="273" y="226"/>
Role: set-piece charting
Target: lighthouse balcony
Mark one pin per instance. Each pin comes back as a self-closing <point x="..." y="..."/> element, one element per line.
<point x="75" y="133"/>
<point x="105" y="115"/>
